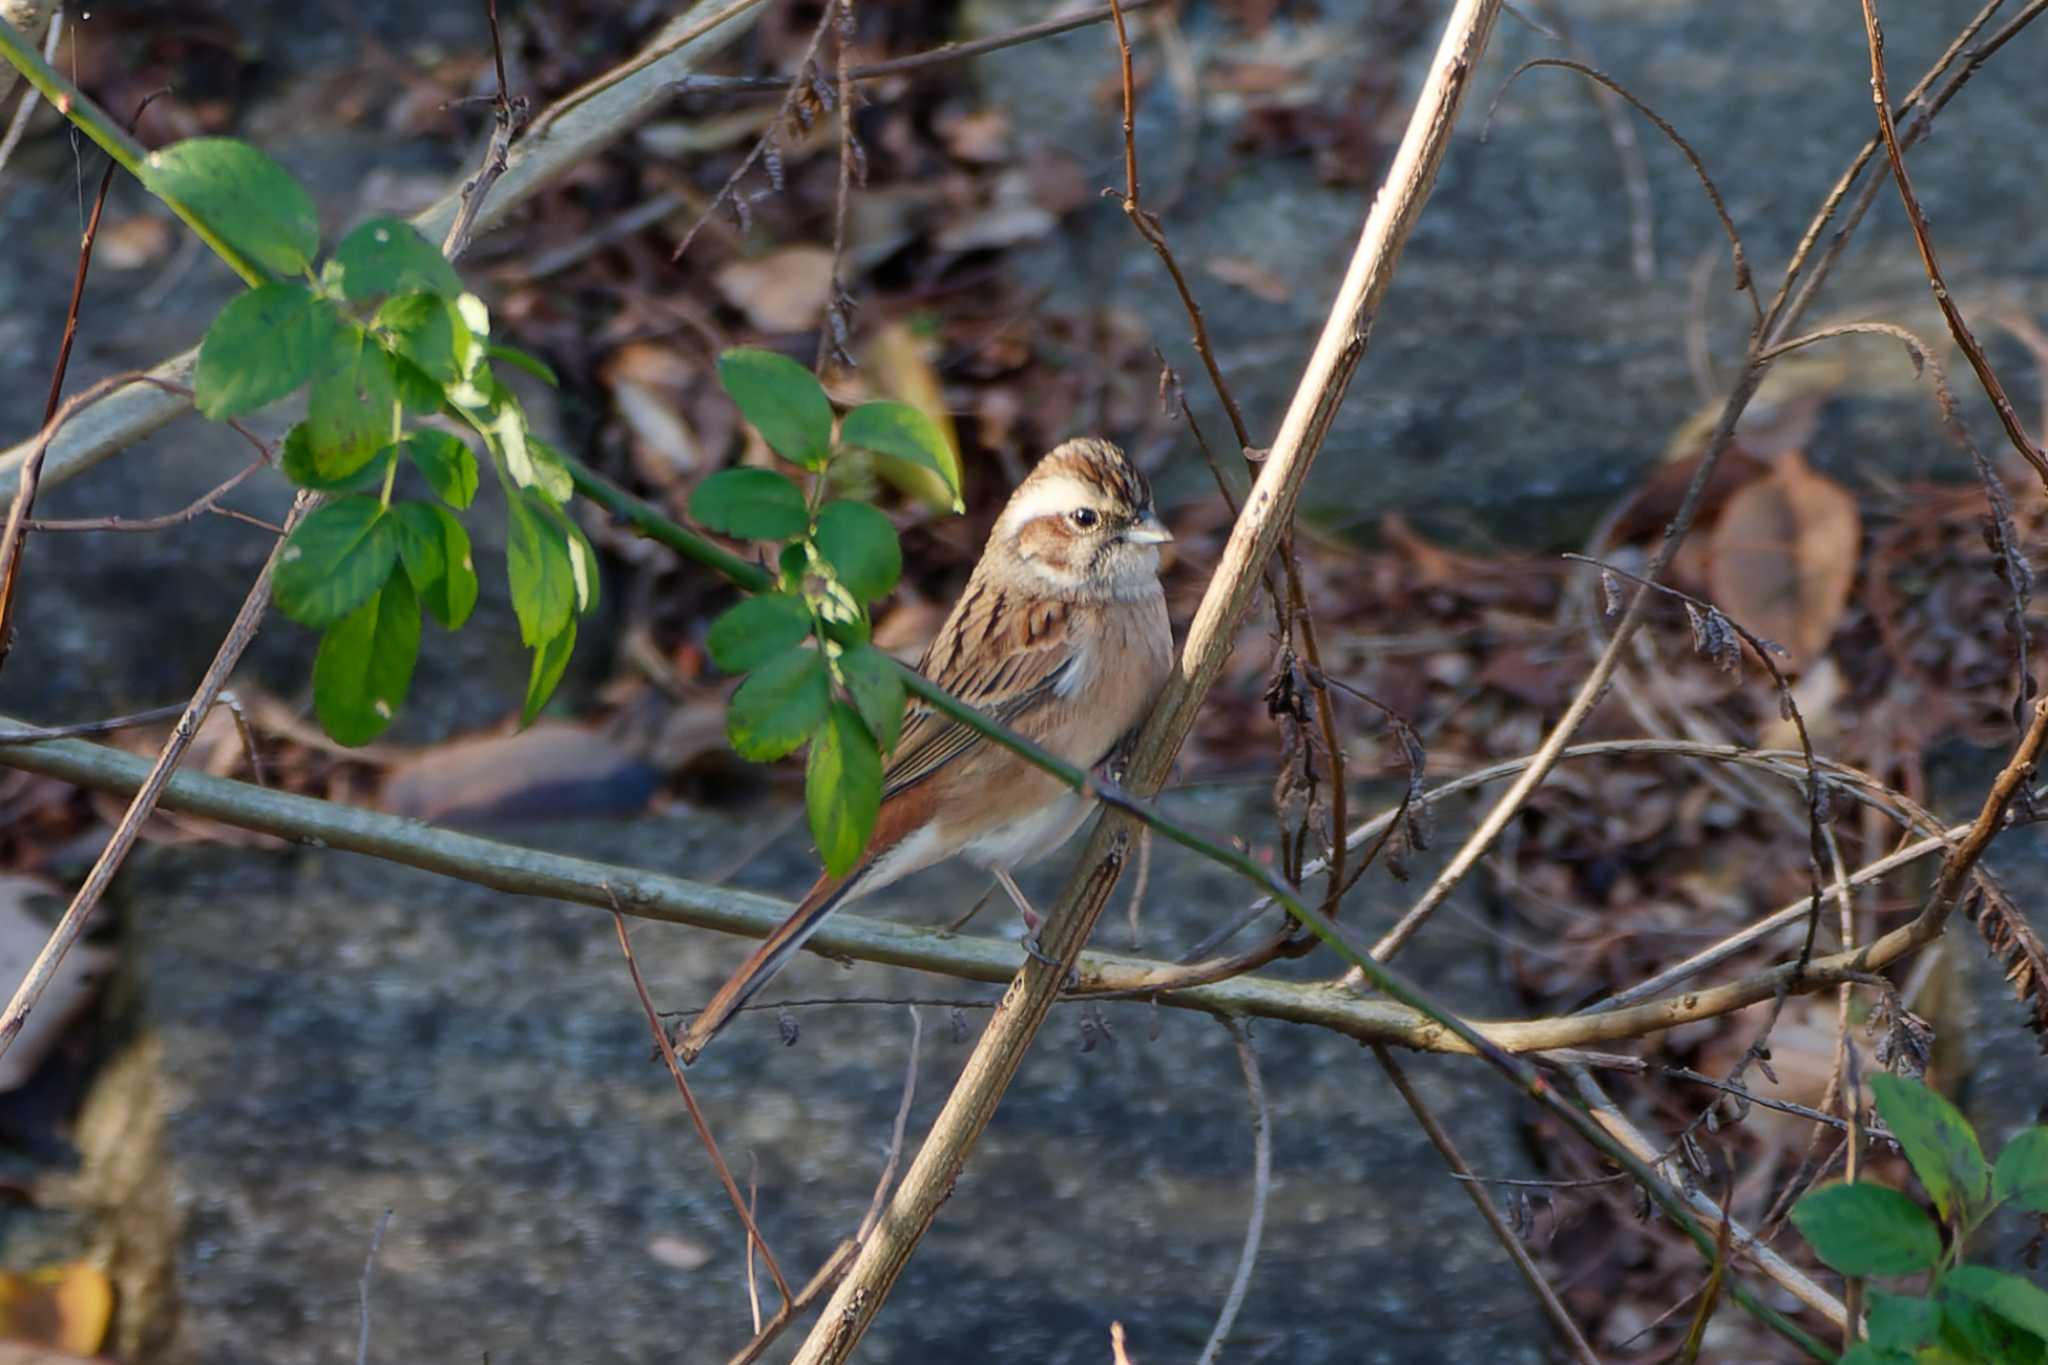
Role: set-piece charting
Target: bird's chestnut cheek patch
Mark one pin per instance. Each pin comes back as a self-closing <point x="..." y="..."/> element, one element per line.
<point x="1048" y="541"/>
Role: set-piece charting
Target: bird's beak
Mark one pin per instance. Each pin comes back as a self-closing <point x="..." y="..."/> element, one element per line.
<point x="1148" y="530"/>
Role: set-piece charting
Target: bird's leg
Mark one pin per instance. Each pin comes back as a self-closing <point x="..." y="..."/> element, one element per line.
<point x="1032" y="920"/>
<point x="961" y="923"/>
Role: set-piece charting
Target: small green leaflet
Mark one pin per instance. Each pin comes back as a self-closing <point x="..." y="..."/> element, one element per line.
<point x="538" y="567"/>
<point x="334" y="562"/>
<point x="365" y="664"/>
<point x="751" y="504"/>
<point x="1900" y="1323"/>
<point x="842" y="788"/>
<point x="757" y="629"/>
<point x="524" y="360"/>
<point x="549" y="663"/>
<point x="447" y="464"/>
<point x="1938" y="1141"/>
<point x="264" y="344"/>
<point x="877" y="691"/>
<point x="2022" y="1171"/>
<point x="860" y="545"/>
<point x="249" y="200"/>
<point x="349" y="418"/>
<point x="782" y="701"/>
<point x="905" y="433"/>
<point x="781" y="400"/>
<point x="434" y="549"/>
<point x="429" y="332"/>
<point x="296" y="459"/>
<point x="388" y="256"/>
<point x="1867" y="1230"/>
<point x="2022" y="1304"/>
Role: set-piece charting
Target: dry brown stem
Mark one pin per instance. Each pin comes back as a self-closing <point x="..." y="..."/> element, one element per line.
<point x="1253" y="538"/>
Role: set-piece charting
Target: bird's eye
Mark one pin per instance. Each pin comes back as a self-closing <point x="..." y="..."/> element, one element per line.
<point x="1085" y="517"/>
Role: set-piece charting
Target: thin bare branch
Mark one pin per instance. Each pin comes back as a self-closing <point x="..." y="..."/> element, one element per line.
<point x="668" y="1056"/>
<point x="1262" y="1182"/>
<point x="1532" y="1274"/>
<point x="1923" y="238"/>
<point x="151" y="791"/>
<point x="1739" y="258"/>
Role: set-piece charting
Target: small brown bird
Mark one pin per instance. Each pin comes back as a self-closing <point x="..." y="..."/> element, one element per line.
<point x="1062" y="636"/>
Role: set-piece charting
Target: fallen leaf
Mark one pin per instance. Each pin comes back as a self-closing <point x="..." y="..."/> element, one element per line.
<point x="22" y="935"/>
<point x="1013" y="215"/>
<point x="679" y="1253"/>
<point x="133" y="243"/>
<point x="784" y="291"/>
<point x="63" y="1307"/>
<point x="1250" y="276"/>
<point x="554" y="770"/>
<point x="982" y="135"/>
<point x="1784" y="557"/>
<point x="648" y="383"/>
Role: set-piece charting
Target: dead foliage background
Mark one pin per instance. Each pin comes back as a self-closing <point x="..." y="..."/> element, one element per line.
<point x="1894" y="616"/>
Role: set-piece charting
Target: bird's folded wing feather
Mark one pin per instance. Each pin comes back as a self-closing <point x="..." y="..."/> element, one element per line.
<point x="1008" y="665"/>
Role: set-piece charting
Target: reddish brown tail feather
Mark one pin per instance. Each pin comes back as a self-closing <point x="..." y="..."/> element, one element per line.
<point x="766" y="960"/>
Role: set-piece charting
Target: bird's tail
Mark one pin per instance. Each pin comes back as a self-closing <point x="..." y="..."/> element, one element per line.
<point x="768" y="959"/>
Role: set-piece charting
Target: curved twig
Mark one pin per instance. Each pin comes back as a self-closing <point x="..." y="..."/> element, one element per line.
<point x="1262" y="1182"/>
<point x="1740" y="259"/>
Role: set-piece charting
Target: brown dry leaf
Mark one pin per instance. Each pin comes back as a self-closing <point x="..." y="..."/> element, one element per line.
<point x="647" y="383"/>
<point x="1248" y="275"/>
<point x="783" y="291"/>
<point x="134" y="242"/>
<point x="22" y="935"/>
<point x="63" y="1307"/>
<point x="981" y="136"/>
<point x="554" y="770"/>
<point x="1784" y="557"/>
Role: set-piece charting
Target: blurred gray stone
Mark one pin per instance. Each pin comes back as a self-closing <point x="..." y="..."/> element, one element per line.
<point x="1519" y="375"/>
<point x="317" y="1038"/>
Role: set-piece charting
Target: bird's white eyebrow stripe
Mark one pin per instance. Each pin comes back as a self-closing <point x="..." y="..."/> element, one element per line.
<point x="1057" y="495"/>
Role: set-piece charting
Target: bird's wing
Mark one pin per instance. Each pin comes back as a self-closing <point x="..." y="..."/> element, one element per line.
<point x="1006" y="660"/>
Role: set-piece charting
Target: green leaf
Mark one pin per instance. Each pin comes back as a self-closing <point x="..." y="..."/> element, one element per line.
<point x="365" y="664"/>
<point x="416" y="389"/>
<point x="757" y="629"/>
<point x="447" y="463"/>
<point x="494" y="411"/>
<point x="388" y="256"/>
<point x="296" y="459"/>
<point x="550" y="471"/>
<point x="1867" y="1230"/>
<point x="335" y="561"/>
<point x="262" y="346"/>
<point x="524" y="360"/>
<point x="2022" y="1172"/>
<point x="906" y="433"/>
<point x="1863" y="1353"/>
<point x="350" y="416"/>
<point x="1901" y="1323"/>
<point x="2023" y="1304"/>
<point x="877" y="691"/>
<point x="435" y="551"/>
<point x="1938" y="1141"/>
<point x="780" y="399"/>
<point x="538" y="566"/>
<point x="781" y="702"/>
<point x="751" y="504"/>
<point x="249" y="200"/>
<point x="550" y="661"/>
<point x="860" y="545"/>
<point x="428" y="331"/>
<point x="842" y="789"/>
